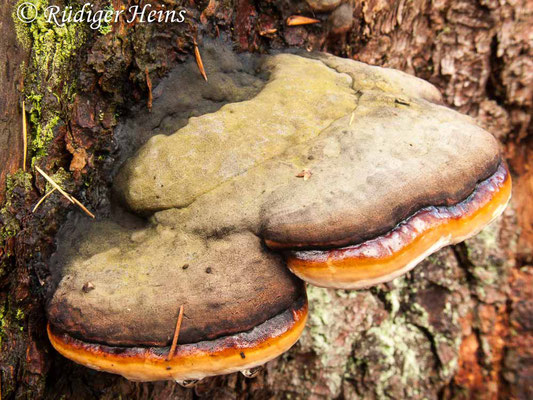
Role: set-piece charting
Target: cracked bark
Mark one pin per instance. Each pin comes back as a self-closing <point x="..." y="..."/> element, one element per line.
<point x="458" y="326"/>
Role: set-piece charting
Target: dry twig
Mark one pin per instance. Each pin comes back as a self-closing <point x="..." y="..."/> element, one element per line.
<point x="24" y="135"/>
<point x="176" y="335"/>
<point x="199" y="60"/>
<point x="267" y="32"/>
<point x="69" y="197"/>
<point x="295" y="20"/>
<point x="43" y="199"/>
<point x="78" y="203"/>
<point x="149" y="84"/>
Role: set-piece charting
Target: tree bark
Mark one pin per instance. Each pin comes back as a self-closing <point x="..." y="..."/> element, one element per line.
<point x="13" y="56"/>
<point x="458" y="326"/>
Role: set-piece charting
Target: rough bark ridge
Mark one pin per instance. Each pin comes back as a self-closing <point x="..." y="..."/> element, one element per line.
<point x="459" y="326"/>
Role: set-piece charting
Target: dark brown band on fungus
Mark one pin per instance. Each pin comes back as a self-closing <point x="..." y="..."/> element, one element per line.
<point x="280" y="240"/>
<point x="191" y="361"/>
<point x="387" y="256"/>
<point x="64" y="316"/>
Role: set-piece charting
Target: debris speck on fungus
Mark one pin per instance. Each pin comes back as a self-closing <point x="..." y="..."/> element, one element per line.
<point x="87" y="287"/>
<point x="305" y="174"/>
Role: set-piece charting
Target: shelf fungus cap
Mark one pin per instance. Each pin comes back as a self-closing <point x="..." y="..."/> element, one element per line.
<point x="354" y="172"/>
<point x="393" y="242"/>
<point x="241" y="306"/>
<point x="395" y="181"/>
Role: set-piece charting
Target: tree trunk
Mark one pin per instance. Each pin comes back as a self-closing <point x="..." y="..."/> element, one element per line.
<point x="458" y="326"/>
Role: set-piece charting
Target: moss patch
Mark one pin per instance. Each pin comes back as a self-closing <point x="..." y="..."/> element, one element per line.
<point x="16" y="184"/>
<point x="48" y="86"/>
<point x="52" y="46"/>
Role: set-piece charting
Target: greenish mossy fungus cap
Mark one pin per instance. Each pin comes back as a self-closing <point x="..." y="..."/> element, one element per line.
<point x="140" y="278"/>
<point x="377" y="143"/>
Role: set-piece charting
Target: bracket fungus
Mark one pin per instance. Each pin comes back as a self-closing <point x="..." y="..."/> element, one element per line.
<point x="242" y="307"/>
<point x="391" y="176"/>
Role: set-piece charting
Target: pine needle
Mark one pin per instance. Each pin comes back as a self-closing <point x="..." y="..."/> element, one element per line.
<point x="176" y="334"/>
<point x="267" y="32"/>
<point x="295" y="20"/>
<point x="24" y="135"/>
<point x="199" y="60"/>
<point x="78" y="203"/>
<point x="149" y="84"/>
<point x="43" y="199"/>
<point x="55" y="185"/>
<point x="69" y="197"/>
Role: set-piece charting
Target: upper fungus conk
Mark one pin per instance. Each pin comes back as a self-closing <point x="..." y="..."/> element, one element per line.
<point x="391" y="176"/>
